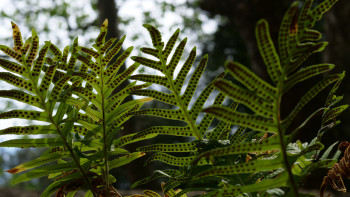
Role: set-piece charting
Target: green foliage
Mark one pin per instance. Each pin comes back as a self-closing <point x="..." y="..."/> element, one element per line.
<point x="75" y="102"/>
<point x="72" y="93"/>
<point x="258" y="157"/>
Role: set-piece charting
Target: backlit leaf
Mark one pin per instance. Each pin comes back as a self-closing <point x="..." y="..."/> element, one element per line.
<point x="267" y="50"/>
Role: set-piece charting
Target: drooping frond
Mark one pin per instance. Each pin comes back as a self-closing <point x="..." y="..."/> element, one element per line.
<point x="295" y="43"/>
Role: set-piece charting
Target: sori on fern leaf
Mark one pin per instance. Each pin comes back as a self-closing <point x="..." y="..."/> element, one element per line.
<point x="81" y="116"/>
<point x="260" y="158"/>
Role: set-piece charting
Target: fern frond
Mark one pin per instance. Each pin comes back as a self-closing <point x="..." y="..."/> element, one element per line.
<point x="63" y="122"/>
<point x="265" y="100"/>
<point x="174" y="85"/>
<point x="102" y="111"/>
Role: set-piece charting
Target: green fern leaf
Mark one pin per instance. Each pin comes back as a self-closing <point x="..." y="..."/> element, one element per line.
<point x="72" y="60"/>
<point x="28" y="143"/>
<point x="29" y="130"/>
<point x="21" y="96"/>
<point x="39" y="62"/>
<point x="147" y="62"/>
<point x="44" y="159"/>
<point x="25" y="114"/>
<point x="249" y="167"/>
<point x="44" y="171"/>
<point x="251" y="121"/>
<point x="56" y="52"/>
<point x="107" y="45"/>
<point x="198" y="105"/>
<point x="152" y="79"/>
<point x="111" y="53"/>
<point x="254" y="102"/>
<point x="155" y="35"/>
<point x="153" y="132"/>
<point x="121" y="77"/>
<point x="34" y="47"/>
<point x="306" y="73"/>
<point x="120" y="161"/>
<point x="333" y="113"/>
<point x="251" y="81"/>
<point x="172" y="160"/>
<point x="234" y="138"/>
<point x="268" y="51"/>
<point x="17" y="37"/>
<point x="309" y="95"/>
<point x="264" y="145"/>
<point x="179" y="147"/>
<point x="12" y="66"/>
<point x="186" y="97"/>
<point x="113" y="69"/>
<point x="264" y="185"/>
<point x="171" y="43"/>
<point x="166" y="98"/>
<point x="45" y="83"/>
<point x="180" y="79"/>
<point x="332" y="98"/>
<point x="16" y="81"/>
<point x="313" y="49"/>
<point x="222" y="130"/>
<point x="287" y="28"/>
<point x="163" y="113"/>
<point x="150" y="51"/>
<point x="176" y="56"/>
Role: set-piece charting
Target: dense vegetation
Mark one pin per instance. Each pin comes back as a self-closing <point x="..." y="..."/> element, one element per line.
<point x="251" y="151"/>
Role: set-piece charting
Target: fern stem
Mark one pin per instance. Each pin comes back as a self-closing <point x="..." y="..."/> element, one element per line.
<point x="106" y="173"/>
<point x="42" y="102"/>
<point x="80" y="168"/>
<point x="105" y="145"/>
<point x="281" y="138"/>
